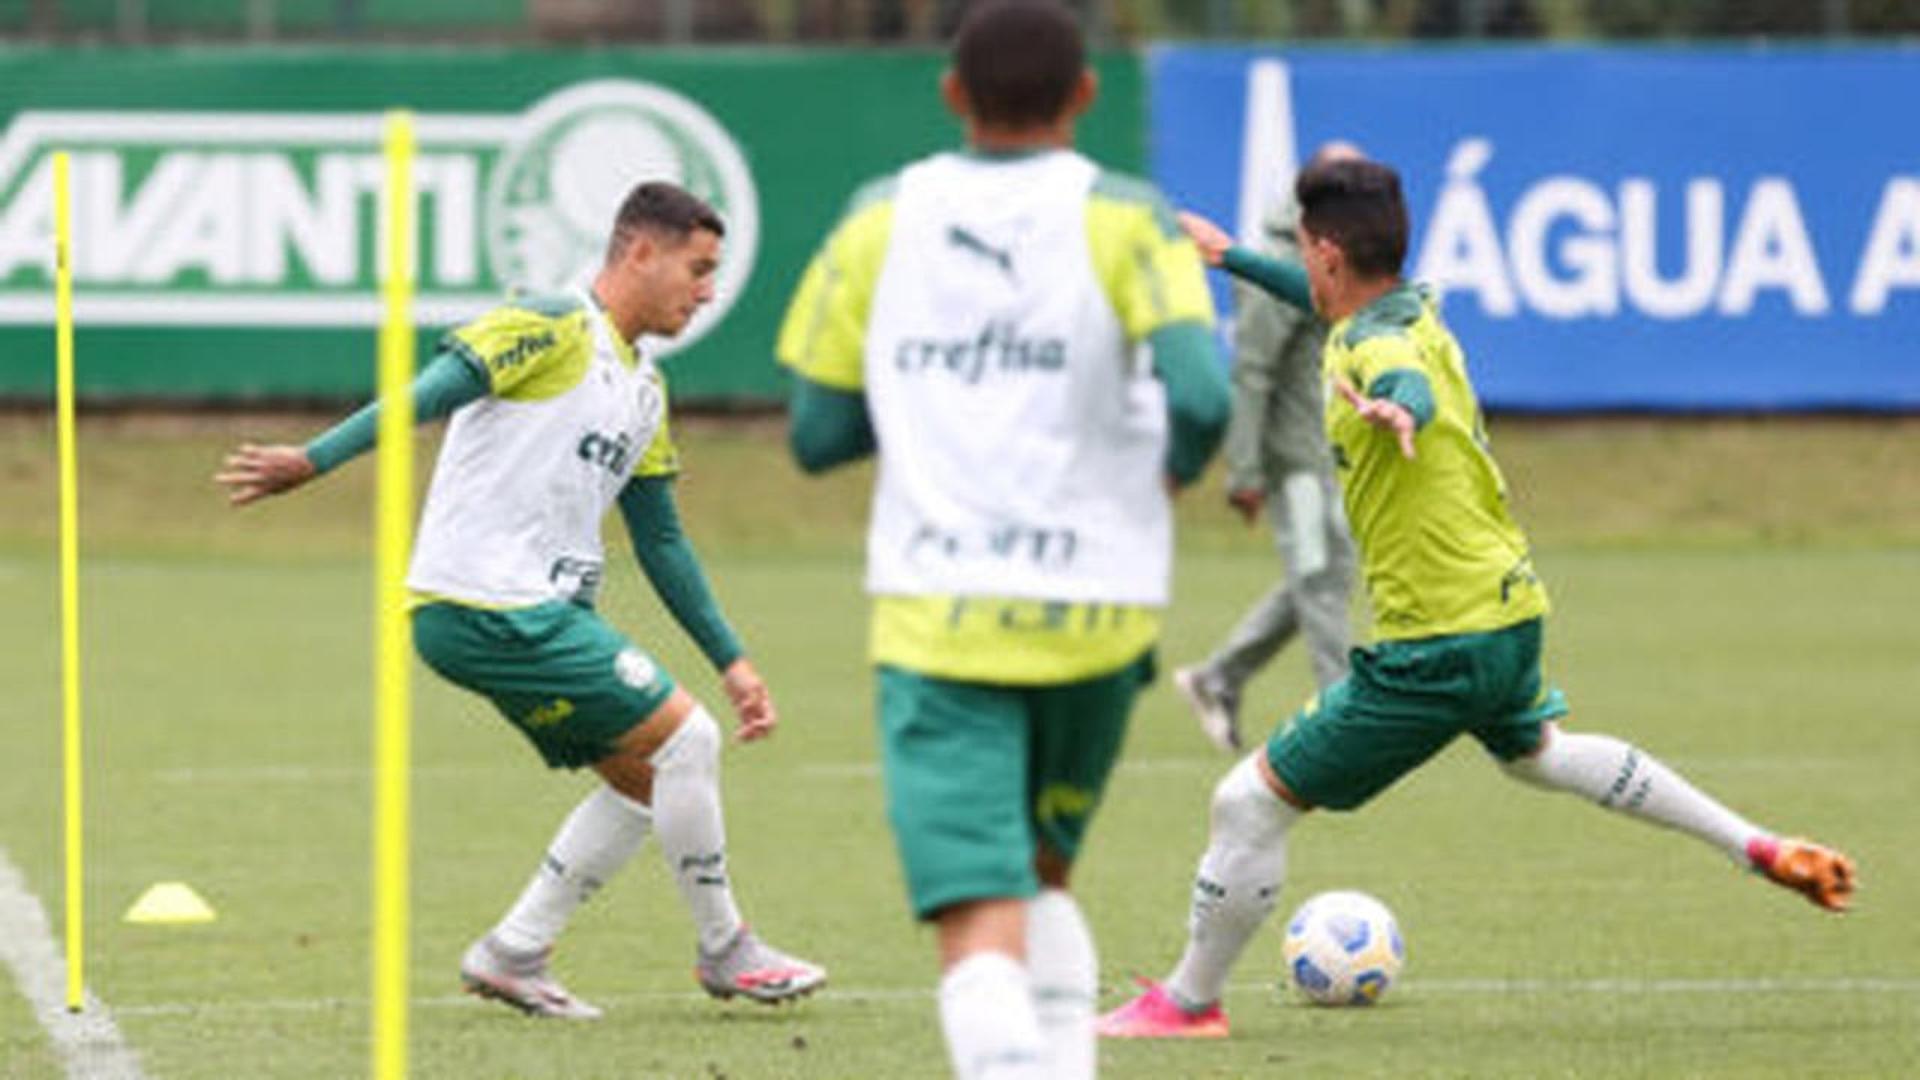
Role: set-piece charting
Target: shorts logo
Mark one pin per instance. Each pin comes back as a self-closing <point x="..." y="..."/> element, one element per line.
<point x="634" y="669"/>
<point x="550" y="714"/>
<point x="1058" y="801"/>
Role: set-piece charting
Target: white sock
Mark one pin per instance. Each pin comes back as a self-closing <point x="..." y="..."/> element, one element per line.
<point x="1624" y="778"/>
<point x="1237" y="885"/>
<point x="1066" y="980"/>
<point x="593" y="843"/>
<point x="987" y="1013"/>
<point x="693" y="835"/>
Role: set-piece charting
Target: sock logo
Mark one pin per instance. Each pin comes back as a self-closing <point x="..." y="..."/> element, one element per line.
<point x="1628" y="769"/>
<point x="708" y="868"/>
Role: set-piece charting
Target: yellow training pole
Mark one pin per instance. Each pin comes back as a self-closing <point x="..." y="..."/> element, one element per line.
<point x="393" y="516"/>
<point x="69" y="573"/>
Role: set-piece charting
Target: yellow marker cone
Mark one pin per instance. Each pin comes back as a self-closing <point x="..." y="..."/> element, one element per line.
<point x="170" y="903"/>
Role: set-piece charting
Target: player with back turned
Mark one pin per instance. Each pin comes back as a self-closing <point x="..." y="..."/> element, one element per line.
<point x="1459" y="613"/>
<point x="1023" y="339"/>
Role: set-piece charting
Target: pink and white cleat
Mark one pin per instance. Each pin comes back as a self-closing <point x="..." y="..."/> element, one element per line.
<point x="754" y="969"/>
<point x="1155" y="1015"/>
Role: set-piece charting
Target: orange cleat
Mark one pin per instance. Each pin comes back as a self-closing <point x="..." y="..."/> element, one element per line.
<point x="1155" y="1015"/>
<point x="1821" y="874"/>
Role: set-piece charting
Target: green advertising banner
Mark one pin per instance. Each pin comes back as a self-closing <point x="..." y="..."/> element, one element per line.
<point x="226" y="202"/>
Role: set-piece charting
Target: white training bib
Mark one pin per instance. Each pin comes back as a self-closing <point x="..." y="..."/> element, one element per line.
<point x="521" y="486"/>
<point x="1022" y="440"/>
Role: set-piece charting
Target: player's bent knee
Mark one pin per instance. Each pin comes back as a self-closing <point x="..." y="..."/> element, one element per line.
<point x="1526" y="769"/>
<point x="694" y="747"/>
<point x="1244" y="808"/>
<point x="1530" y="767"/>
<point x="671" y="711"/>
<point x="628" y="774"/>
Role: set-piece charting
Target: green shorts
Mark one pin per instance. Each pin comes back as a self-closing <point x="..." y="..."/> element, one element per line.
<point x="572" y="684"/>
<point x="1404" y="701"/>
<point x="978" y="774"/>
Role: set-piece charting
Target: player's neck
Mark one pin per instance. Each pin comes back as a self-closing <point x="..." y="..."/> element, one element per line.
<point x="625" y="316"/>
<point x="994" y="141"/>
<point x="1357" y="295"/>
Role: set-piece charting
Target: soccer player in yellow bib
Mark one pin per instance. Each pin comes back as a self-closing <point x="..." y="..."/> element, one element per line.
<point x="557" y="417"/>
<point x="1458" y="612"/>
<point x="1024" y="340"/>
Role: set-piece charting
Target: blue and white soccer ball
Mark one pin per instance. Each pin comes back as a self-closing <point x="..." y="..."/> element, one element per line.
<point x="1343" y="948"/>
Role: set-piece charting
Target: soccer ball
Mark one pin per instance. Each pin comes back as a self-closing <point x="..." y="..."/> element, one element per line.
<point x="1343" y="948"/>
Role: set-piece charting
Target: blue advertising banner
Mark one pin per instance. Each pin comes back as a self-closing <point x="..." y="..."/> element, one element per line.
<point x="1682" y="229"/>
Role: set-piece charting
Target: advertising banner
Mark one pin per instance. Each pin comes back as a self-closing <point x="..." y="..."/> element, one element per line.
<point x="1719" y="229"/>
<point x="226" y="201"/>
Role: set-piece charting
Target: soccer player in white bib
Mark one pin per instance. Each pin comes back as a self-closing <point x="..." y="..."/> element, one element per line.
<point x="1024" y="340"/>
<point x="557" y="417"/>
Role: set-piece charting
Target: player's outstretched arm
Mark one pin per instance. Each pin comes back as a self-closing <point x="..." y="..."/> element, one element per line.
<point x="827" y="427"/>
<point x="1283" y="278"/>
<point x="1211" y="239"/>
<point x="652" y="518"/>
<point x="252" y="472"/>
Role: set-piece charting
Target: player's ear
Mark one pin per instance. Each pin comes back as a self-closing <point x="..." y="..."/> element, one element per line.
<point x="954" y="93"/>
<point x="1323" y="251"/>
<point x="1085" y="89"/>
<point x="642" y="248"/>
<point x="1336" y="259"/>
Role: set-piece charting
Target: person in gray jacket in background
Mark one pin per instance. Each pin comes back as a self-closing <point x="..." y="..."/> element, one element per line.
<point x="1278" y="460"/>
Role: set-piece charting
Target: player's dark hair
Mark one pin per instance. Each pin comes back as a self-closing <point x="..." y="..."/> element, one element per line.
<point x="1357" y="205"/>
<point x="1018" y="61"/>
<point x="660" y="207"/>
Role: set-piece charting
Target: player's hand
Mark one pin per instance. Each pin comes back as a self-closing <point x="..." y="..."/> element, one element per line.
<point x="1248" y="501"/>
<point x="751" y="701"/>
<point x="1381" y="413"/>
<point x="255" y="472"/>
<point x="1211" y="239"/>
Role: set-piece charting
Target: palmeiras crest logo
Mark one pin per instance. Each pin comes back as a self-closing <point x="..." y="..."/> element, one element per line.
<point x="552" y="198"/>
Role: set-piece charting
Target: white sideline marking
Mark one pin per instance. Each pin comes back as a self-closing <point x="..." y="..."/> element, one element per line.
<point x="1841" y="985"/>
<point x="89" y="1043"/>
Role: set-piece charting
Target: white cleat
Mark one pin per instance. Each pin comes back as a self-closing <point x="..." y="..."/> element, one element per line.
<point x="490" y="970"/>
<point x="1217" y="708"/>
<point x="752" y="968"/>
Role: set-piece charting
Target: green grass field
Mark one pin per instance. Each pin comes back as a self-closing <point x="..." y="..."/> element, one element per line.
<point x="1733" y="596"/>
